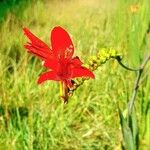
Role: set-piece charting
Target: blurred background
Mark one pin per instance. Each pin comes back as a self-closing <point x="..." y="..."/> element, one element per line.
<point x="32" y="116"/>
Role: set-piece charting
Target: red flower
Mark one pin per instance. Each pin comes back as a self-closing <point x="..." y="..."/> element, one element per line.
<point x="58" y="59"/>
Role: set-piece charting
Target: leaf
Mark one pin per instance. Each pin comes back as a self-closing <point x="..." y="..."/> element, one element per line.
<point x="128" y="140"/>
<point x="134" y="128"/>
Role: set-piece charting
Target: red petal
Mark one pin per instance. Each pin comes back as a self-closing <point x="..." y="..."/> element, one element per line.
<point x="37" y="46"/>
<point x="35" y="51"/>
<point x="61" y="43"/>
<point x="51" y="75"/>
<point x="52" y="64"/>
<point x="82" y="72"/>
<point x="76" y="61"/>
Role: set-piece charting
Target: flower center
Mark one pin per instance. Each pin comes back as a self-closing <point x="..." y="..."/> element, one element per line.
<point x="64" y="70"/>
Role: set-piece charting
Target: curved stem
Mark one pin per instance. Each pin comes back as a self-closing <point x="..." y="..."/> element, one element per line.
<point x="137" y="80"/>
<point x="130" y="69"/>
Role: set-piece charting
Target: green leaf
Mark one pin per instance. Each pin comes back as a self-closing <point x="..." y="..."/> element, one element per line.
<point x="128" y="140"/>
<point x="134" y="128"/>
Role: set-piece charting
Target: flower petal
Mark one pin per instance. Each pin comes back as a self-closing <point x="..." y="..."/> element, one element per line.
<point x="76" y="62"/>
<point x="52" y="64"/>
<point x="51" y="75"/>
<point x="81" y="72"/>
<point x="37" y="46"/>
<point x="61" y="43"/>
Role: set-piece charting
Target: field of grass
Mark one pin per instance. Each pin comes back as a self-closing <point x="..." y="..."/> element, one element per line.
<point x="33" y="116"/>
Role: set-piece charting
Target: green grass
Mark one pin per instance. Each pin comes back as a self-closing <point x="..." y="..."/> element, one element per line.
<point x="90" y="120"/>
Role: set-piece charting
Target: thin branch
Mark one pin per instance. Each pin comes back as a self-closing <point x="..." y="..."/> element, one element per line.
<point x="145" y="75"/>
<point x="127" y="68"/>
<point x="136" y="84"/>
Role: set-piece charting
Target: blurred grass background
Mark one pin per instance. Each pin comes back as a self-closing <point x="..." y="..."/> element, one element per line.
<point x="90" y="120"/>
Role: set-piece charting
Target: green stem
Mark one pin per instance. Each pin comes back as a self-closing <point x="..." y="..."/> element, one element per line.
<point x="124" y="66"/>
<point x="136" y="84"/>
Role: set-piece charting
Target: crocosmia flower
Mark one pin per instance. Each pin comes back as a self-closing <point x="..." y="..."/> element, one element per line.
<point x="58" y="59"/>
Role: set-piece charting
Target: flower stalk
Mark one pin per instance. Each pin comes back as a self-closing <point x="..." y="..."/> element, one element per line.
<point x="64" y="92"/>
<point x="94" y="63"/>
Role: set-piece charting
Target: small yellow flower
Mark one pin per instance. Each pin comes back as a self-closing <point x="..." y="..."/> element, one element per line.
<point x="134" y="8"/>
